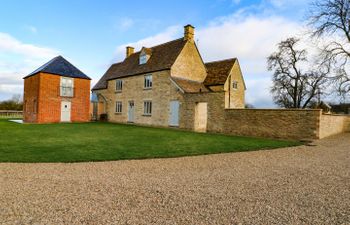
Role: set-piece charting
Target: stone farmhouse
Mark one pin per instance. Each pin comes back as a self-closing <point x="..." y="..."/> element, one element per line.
<point x="56" y="92"/>
<point x="169" y="85"/>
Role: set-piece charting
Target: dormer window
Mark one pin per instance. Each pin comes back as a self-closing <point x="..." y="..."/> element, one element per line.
<point x="143" y="59"/>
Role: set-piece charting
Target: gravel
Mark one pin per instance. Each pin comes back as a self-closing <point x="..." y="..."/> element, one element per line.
<point x="299" y="185"/>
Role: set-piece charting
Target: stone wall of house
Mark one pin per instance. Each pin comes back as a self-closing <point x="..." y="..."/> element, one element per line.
<point x="189" y="64"/>
<point x="272" y="123"/>
<point x="235" y="98"/>
<point x="30" y="98"/>
<point x="161" y="93"/>
<point x="333" y="124"/>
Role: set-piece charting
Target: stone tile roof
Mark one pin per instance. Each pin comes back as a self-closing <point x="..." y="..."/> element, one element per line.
<point x="162" y="58"/>
<point x="190" y="86"/>
<point x="59" y="66"/>
<point x="218" y="71"/>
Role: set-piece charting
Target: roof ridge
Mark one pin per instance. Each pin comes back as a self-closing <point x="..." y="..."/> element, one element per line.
<point x="221" y="60"/>
<point x="158" y="45"/>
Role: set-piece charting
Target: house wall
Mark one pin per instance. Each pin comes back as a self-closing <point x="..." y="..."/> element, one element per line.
<point x="333" y="124"/>
<point x="235" y="98"/>
<point x="30" y="98"/>
<point x="49" y="100"/>
<point x="189" y="64"/>
<point x="162" y="92"/>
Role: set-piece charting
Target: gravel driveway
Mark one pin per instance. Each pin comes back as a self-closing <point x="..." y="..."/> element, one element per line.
<point x="300" y="185"/>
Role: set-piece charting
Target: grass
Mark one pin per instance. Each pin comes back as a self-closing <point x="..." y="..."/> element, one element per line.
<point x="80" y="142"/>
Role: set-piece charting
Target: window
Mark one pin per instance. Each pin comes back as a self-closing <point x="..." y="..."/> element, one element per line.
<point x="66" y="89"/>
<point x="119" y="85"/>
<point x="235" y="85"/>
<point x="147" y="108"/>
<point x="118" y="107"/>
<point x="148" y="81"/>
<point x="143" y="59"/>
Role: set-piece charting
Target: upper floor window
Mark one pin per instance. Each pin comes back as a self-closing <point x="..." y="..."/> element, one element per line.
<point x="143" y="58"/>
<point x="235" y="85"/>
<point x="67" y="87"/>
<point x="148" y="81"/>
<point x="119" y="85"/>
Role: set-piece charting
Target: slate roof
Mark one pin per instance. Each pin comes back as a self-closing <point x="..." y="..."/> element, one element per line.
<point x="162" y="58"/>
<point x="218" y="71"/>
<point x="190" y="86"/>
<point x="60" y="66"/>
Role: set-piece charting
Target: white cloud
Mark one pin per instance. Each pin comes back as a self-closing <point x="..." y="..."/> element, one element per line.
<point x="18" y="59"/>
<point x="169" y="34"/>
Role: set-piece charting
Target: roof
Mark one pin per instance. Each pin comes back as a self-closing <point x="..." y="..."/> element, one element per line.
<point x="162" y="58"/>
<point x="218" y="71"/>
<point x="59" y="66"/>
<point x="190" y="86"/>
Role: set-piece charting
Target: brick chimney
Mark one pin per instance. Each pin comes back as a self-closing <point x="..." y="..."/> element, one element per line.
<point x="189" y="33"/>
<point x="129" y="51"/>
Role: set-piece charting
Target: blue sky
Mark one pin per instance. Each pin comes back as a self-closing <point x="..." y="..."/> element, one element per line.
<point x="93" y="34"/>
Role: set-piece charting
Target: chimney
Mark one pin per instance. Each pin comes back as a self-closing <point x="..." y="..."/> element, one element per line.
<point x="129" y="51"/>
<point x="189" y="33"/>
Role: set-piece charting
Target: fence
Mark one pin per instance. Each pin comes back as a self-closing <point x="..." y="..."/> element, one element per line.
<point x="11" y="114"/>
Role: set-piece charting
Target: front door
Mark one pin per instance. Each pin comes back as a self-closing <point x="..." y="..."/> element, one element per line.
<point x="131" y="111"/>
<point x="174" y="113"/>
<point x="65" y="111"/>
<point x="201" y="117"/>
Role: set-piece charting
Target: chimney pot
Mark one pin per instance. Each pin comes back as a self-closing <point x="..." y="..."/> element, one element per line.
<point x="129" y="51"/>
<point x="189" y="32"/>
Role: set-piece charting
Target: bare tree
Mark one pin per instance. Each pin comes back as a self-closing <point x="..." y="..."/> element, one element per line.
<point x="296" y="82"/>
<point x="330" y="20"/>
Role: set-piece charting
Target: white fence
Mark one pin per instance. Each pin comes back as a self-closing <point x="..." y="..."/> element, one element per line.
<point x="11" y="114"/>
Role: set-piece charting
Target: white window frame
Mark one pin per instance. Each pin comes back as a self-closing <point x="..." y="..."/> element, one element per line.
<point x="119" y="85"/>
<point x="118" y="107"/>
<point x="143" y="59"/>
<point x="147" y="107"/>
<point x="148" y="83"/>
<point x="235" y="85"/>
<point x="66" y="89"/>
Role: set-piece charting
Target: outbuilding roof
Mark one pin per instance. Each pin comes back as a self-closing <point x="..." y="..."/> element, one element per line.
<point x="218" y="71"/>
<point x="59" y="66"/>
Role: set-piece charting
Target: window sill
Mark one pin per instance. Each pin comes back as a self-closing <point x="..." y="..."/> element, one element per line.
<point x="145" y="89"/>
<point x="64" y="96"/>
<point x="147" y="115"/>
<point x="118" y="113"/>
<point x="118" y="91"/>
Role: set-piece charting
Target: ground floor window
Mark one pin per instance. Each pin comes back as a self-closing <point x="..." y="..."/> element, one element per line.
<point x="118" y="107"/>
<point x="147" y="108"/>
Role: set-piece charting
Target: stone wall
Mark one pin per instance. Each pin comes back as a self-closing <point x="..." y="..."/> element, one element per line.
<point x="272" y="123"/>
<point x="333" y="124"/>
<point x="235" y="98"/>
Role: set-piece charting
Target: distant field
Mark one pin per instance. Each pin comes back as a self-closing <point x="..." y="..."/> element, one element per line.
<point x="78" y="142"/>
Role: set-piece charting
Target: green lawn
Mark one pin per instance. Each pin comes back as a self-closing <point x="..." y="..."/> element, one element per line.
<point x="104" y="141"/>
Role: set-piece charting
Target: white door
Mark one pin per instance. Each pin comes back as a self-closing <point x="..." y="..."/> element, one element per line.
<point x="131" y="111"/>
<point x="65" y="111"/>
<point x="174" y="113"/>
<point x="201" y="117"/>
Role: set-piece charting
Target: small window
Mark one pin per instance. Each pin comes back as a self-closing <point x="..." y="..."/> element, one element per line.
<point x="118" y="107"/>
<point x="119" y="85"/>
<point x="143" y="59"/>
<point x="148" y="81"/>
<point x="147" y="108"/>
<point x="67" y="87"/>
<point x="235" y="85"/>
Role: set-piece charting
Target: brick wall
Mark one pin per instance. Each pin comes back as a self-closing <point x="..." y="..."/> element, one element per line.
<point x="45" y="88"/>
<point x="333" y="124"/>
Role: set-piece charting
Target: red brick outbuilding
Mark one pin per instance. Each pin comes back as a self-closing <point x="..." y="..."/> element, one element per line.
<point x="56" y="92"/>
